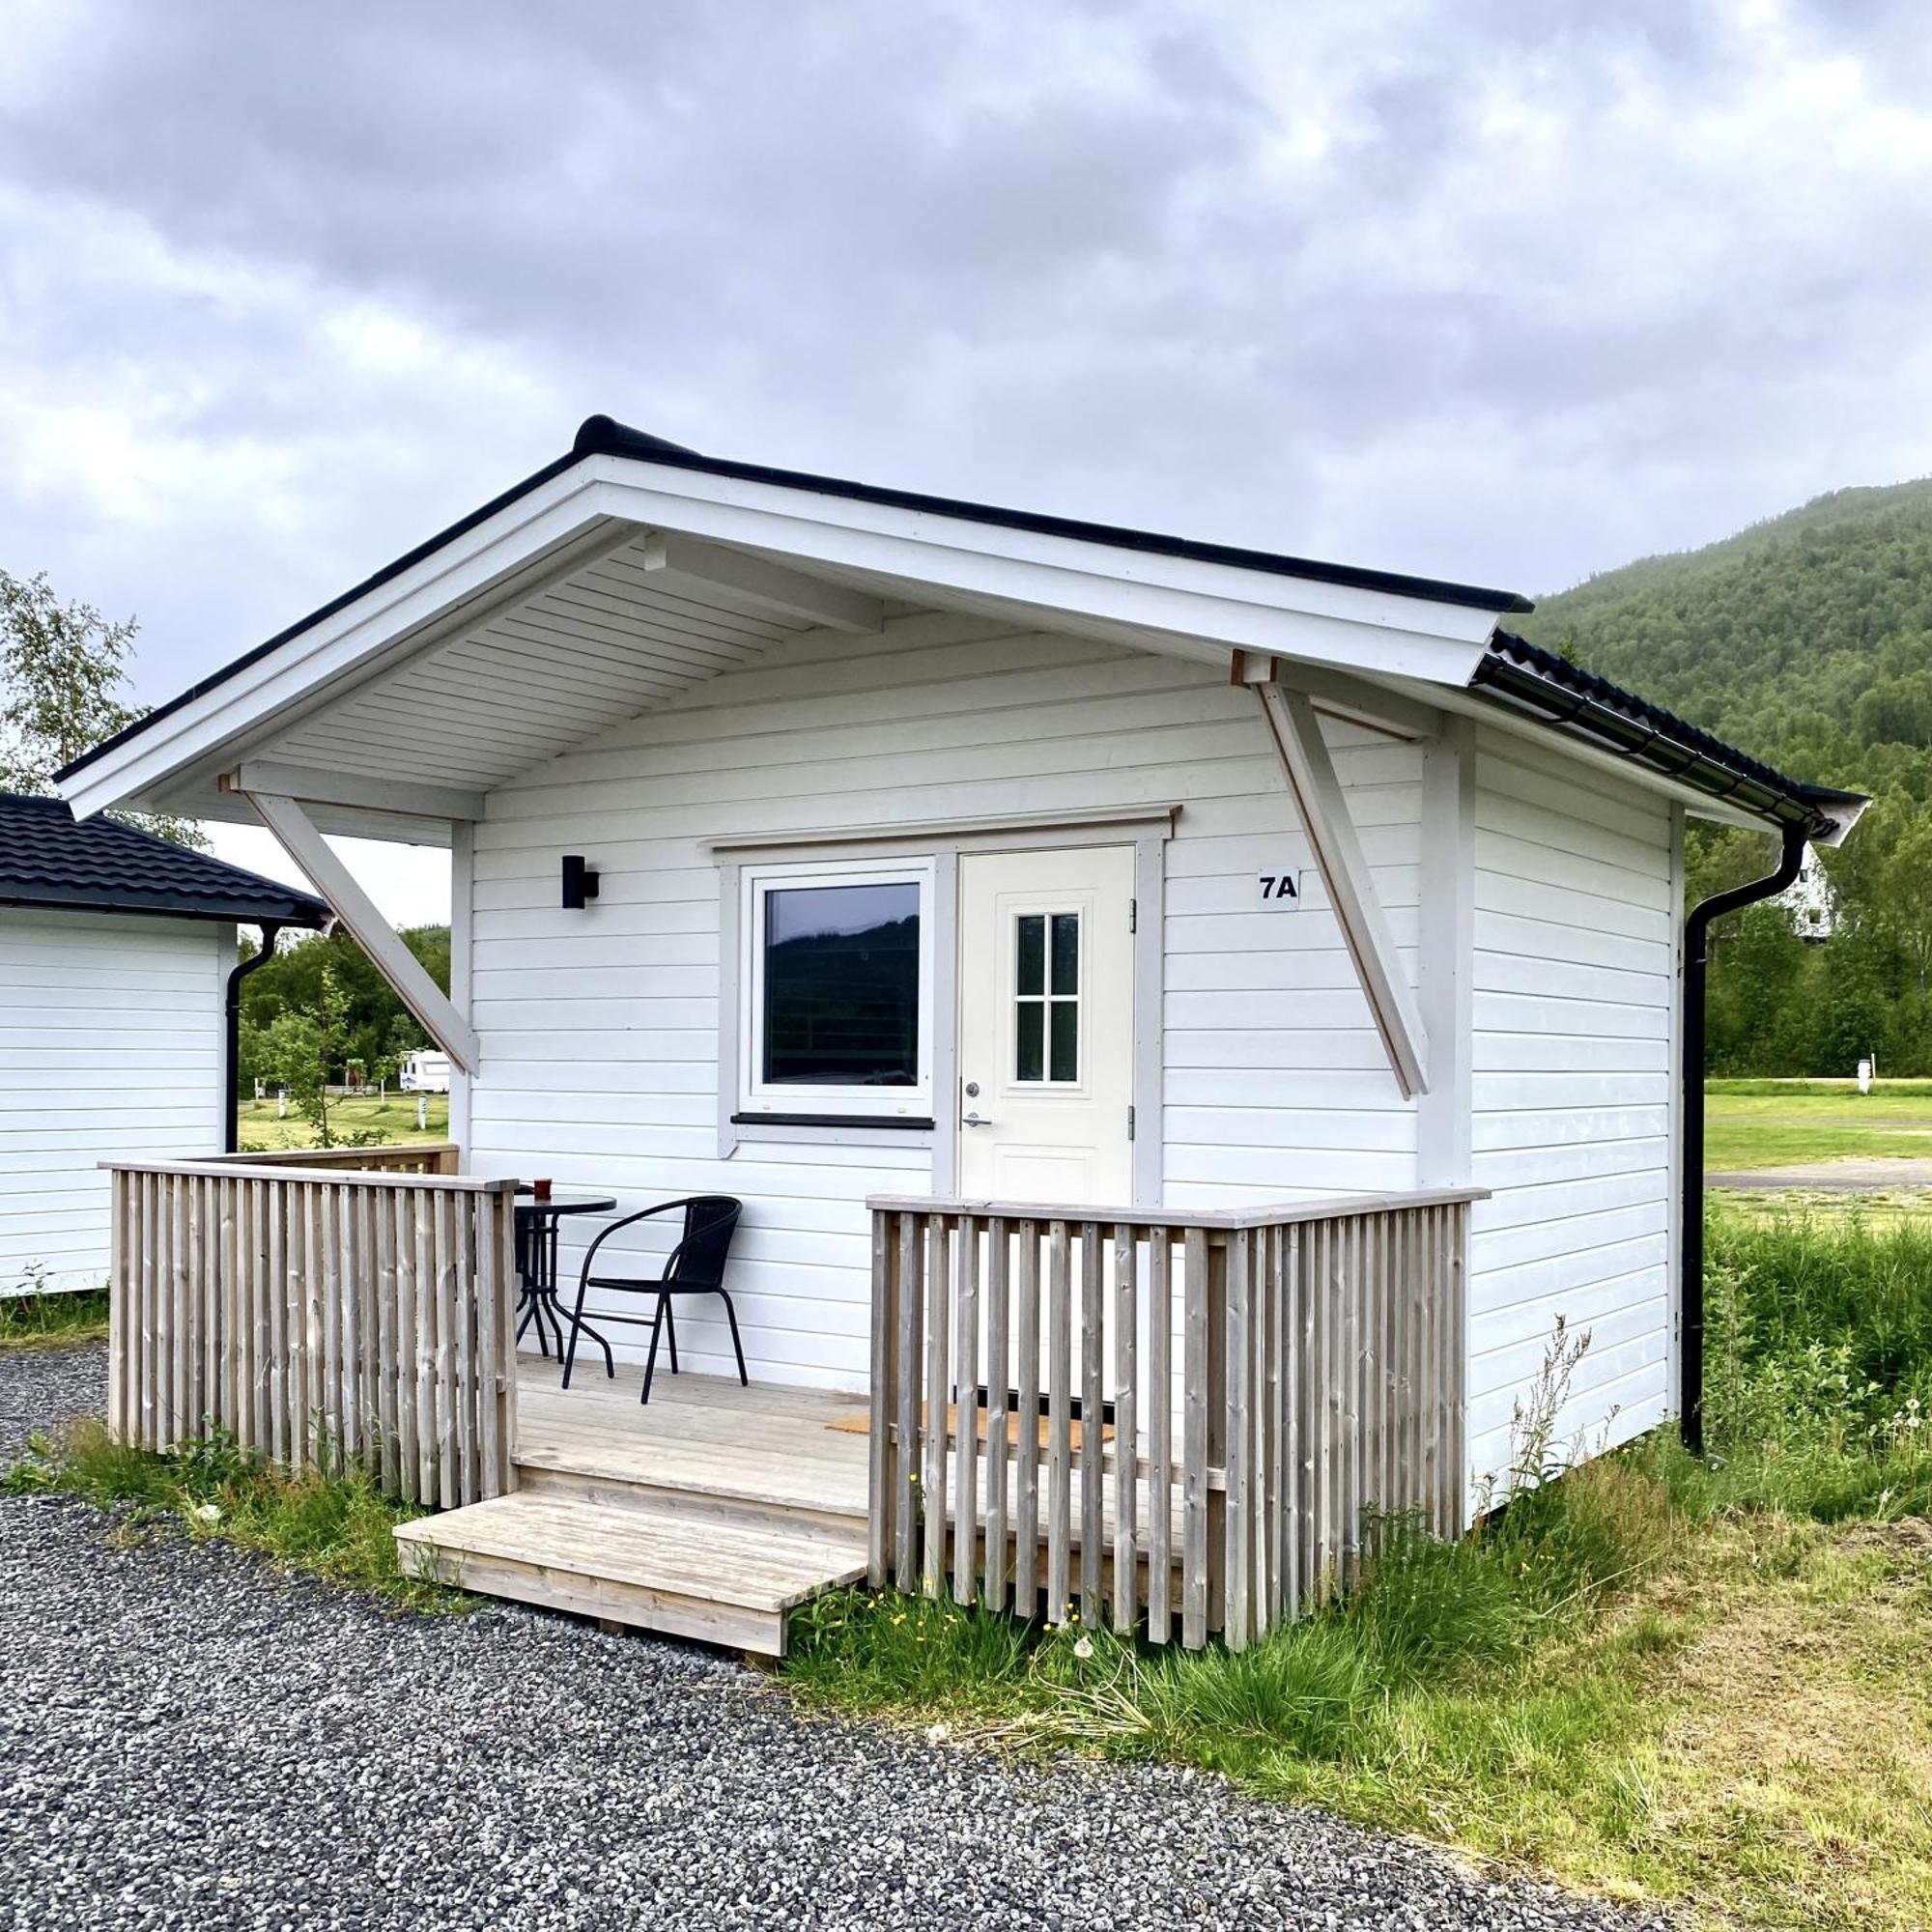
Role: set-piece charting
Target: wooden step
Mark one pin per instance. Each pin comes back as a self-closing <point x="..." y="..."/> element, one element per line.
<point x="770" y="1503"/>
<point x="716" y="1581"/>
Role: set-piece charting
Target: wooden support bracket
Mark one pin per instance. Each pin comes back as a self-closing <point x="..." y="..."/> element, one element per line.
<point x="1298" y="738"/>
<point x="295" y="832"/>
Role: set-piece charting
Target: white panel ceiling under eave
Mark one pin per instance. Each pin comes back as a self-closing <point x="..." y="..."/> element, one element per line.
<point x="582" y="655"/>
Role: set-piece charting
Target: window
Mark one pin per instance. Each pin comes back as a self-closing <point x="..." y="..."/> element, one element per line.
<point x="1047" y="996"/>
<point x="838" y="992"/>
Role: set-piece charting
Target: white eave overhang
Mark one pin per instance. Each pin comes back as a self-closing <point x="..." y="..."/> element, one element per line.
<point x="914" y="557"/>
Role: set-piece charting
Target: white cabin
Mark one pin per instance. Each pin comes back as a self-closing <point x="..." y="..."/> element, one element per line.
<point x="818" y="844"/>
<point x="115" y="956"/>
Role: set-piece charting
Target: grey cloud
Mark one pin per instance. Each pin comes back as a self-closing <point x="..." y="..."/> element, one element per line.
<point x="1281" y="276"/>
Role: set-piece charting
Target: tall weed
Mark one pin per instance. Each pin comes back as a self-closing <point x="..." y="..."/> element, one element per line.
<point x="1818" y="1379"/>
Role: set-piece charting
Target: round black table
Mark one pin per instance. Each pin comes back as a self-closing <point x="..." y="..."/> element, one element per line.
<point x="537" y="1225"/>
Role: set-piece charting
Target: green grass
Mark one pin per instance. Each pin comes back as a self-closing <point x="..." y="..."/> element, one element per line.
<point x="1651" y="1678"/>
<point x="1759" y="1123"/>
<point x="392" y="1116"/>
<point x="338" y="1527"/>
<point x="42" y="1320"/>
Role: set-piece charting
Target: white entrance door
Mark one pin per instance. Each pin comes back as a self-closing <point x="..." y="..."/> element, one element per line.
<point x="1047" y="1026"/>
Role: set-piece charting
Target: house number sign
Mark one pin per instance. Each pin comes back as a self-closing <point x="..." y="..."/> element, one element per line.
<point x="1282" y="890"/>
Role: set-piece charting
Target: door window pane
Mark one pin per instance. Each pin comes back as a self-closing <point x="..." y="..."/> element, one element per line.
<point x="1046" y="998"/>
<point x="1064" y="1062"/>
<point x="1031" y="1054"/>
<point x="1066" y="953"/>
<point x="842" y="986"/>
<point x="1030" y="967"/>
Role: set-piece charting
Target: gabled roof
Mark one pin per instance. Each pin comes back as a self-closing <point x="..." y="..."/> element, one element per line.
<point x="631" y="568"/>
<point x="102" y="866"/>
<point x="604" y="436"/>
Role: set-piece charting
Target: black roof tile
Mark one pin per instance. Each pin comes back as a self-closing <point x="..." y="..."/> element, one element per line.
<point x="99" y="865"/>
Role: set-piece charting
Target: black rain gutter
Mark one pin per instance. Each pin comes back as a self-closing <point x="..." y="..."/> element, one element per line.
<point x="1691" y="1258"/>
<point x="1652" y="745"/>
<point x="231" y="1054"/>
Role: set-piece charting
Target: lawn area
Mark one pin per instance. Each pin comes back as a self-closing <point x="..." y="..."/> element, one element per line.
<point x="1654" y="1678"/>
<point x="391" y="1118"/>
<point x="1754" y="1124"/>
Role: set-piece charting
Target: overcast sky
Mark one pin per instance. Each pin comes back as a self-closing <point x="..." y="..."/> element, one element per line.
<point x="1498" y="291"/>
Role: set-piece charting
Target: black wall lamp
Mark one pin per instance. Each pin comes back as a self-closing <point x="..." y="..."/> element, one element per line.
<point x="579" y="882"/>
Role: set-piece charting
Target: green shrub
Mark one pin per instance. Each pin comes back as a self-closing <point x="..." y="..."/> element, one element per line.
<point x="1796" y="1290"/>
<point x="1818" y="1384"/>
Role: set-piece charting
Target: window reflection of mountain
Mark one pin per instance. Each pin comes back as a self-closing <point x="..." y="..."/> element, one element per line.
<point x="841" y="1008"/>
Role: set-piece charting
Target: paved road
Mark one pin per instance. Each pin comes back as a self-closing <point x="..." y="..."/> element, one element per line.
<point x="188" y="1740"/>
<point x="1883" y="1174"/>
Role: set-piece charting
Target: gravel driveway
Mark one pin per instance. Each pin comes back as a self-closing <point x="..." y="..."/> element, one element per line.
<point x="188" y="1740"/>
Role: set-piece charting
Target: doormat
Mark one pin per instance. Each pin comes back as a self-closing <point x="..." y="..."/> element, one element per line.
<point x="860" y="1424"/>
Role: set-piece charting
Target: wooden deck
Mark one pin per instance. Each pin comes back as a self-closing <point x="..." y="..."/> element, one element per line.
<point x="1262" y="1380"/>
<point x="711" y="1513"/>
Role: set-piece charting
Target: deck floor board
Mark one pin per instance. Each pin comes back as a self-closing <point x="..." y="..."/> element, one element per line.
<point x="703" y="1434"/>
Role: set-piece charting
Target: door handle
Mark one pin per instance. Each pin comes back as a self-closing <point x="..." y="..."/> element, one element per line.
<point x="975" y="1120"/>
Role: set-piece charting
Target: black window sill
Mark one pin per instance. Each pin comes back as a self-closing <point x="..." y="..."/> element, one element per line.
<point x="909" y="1124"/>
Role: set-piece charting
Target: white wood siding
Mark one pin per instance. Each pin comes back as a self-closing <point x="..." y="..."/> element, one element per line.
<point x="1575" y="992"/>
<point x="111" y="1045"/>
<point x="600" y="1028"/>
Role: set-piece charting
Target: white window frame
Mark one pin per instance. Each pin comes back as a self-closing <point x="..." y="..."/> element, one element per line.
<point x="907" y="843"/>
<point x="757" y="1097"/>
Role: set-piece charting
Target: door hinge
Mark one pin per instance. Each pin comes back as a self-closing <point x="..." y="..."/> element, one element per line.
<point x="1130" y="1124"/>
<point x="1134" y="914"/>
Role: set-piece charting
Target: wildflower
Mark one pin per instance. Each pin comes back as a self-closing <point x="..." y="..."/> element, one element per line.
<point x="1083" y="1649"/>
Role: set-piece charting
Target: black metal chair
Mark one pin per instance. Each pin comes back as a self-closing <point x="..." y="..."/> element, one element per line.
<point x="696" y="1265"/>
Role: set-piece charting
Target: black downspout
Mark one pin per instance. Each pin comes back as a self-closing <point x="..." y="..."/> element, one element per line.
<point x="231" y="1056"/>
<point x="1690" y="1261"/>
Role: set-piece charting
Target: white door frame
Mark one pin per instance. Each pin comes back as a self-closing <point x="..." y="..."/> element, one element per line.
<point x="1099" y="1107"/>
<point x="1146" y="828"/>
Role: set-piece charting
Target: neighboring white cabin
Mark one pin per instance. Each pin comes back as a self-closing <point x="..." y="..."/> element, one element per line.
<point x="110" y="1042"/>
<point x="716" y="686"/>
<point x="115" y="952"/>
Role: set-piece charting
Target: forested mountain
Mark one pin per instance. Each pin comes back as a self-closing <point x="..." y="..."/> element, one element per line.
<point x="1806" y="639"/>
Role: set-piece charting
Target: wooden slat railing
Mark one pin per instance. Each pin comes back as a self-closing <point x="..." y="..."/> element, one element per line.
<point x="403" y="1157"/>
<point x="338" y="1316"/>
<point x="1189" y="1422"/>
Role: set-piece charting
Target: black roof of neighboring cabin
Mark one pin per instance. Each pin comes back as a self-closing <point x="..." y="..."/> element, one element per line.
<point x="102" y="866"/>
